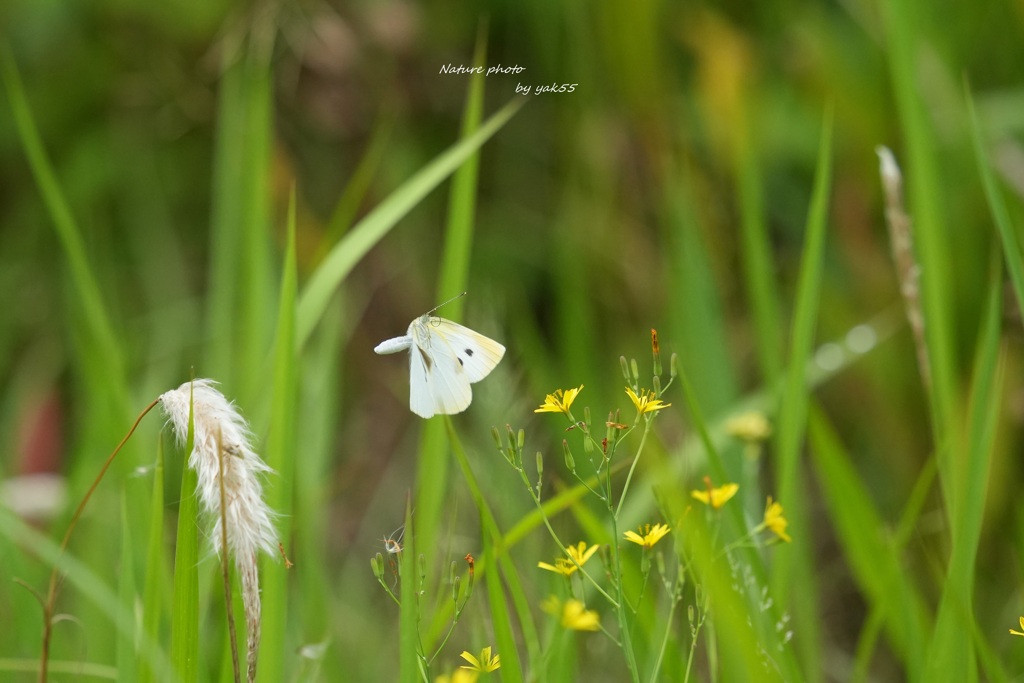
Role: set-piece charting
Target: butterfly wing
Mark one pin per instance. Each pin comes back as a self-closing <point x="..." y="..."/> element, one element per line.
<point x="437" y="381"/>
<point x="444" y="358"/>
<point x="474" y="352"/>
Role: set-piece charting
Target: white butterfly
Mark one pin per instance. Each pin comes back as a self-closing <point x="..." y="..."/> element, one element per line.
<point x="444" y="359"/>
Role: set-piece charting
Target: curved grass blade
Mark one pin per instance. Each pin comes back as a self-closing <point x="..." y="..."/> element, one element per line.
<point x="364" y="235"/>
<point x="793" y="565"/>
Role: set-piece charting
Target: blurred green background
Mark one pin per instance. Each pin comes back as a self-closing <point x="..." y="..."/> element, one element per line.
<point x="669" y="190"/>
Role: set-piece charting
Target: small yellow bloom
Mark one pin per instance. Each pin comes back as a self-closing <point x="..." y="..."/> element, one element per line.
<point x="484" y="664"/>
<point x="716" y="498"/>
<point x="751" y="427"/>
<point x="650" y="536"/>
<point x="560" y="401"/>
<point x="579" y="552"/>
<point x="572" y="614"/>
<point x="1019" y="633"/>
<point x="459" y="676"/>
<point x="774" y="520"/>
<point x="646" y="402"/>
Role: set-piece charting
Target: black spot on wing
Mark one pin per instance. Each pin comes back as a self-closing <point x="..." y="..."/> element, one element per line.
<point x="460" y="362"/>
<point x="469" y="352"/>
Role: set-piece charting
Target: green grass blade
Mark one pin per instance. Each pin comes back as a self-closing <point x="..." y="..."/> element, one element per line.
<point x="88" y="583"/>
<point x="281" y="458"/>
<point x="793" y="563"/>
<point x="352" y="197"/>
<point x="126" y="669"/>
<point x="85" y="285"/>
<point x="874" y="562"/>
<point x="1012" y="254"/>
<point x="319" y="409"/>
<point x="793" y="408"/>
<point x="153" y="590"/>
<point x="926" y="203"/>
<point x="458" y="236"/>
<point x="511" y="667"/>
<point x="371" y="229"/>
<point x="185" y="609"/>
<point x="501" y="622"/>
<point x="951" y="655"/>
<point x="757" y="263"/>
<point x="736" y="525"/>
<point x="698" y="328"/>
<point x="731" y="613"/>
<point x="432" y="464"/>
<point x="239" y="275"/>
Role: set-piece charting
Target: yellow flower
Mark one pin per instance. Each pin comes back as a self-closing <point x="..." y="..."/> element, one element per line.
<point x="485" y="664"/>
<point x="1019" y="633"/>
<point x="716" y="498"/>
<point x="560" y="401"/>
<point x="751" y="427"/>
<point x="646" y="402"/>
<point x="572" y="614"/>
<point x="774" y="520"/>
<point x="651" y="535"/>
<point x="459" y="676"/>
<point x="580" y="553"/>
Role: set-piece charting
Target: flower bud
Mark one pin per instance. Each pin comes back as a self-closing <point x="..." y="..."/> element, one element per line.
<point x="377" y="565"/>
<point x="656" y="351"/>
<point x="570" y="464"/>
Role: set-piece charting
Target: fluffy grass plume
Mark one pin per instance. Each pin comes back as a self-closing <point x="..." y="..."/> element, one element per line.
<point x="220" y="427"/>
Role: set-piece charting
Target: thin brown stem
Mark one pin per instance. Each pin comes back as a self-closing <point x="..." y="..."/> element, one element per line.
<point x="51" y="593"/>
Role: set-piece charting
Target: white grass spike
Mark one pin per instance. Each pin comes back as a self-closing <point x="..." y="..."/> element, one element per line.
<point x="250" y="525"/>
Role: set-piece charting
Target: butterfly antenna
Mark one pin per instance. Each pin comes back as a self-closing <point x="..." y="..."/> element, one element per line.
<point x="446" y="303"/>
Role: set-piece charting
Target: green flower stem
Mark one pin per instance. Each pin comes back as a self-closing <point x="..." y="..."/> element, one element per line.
<point x="627" y="641"/>
<point x="558" y="542"/>
<point x="664" y="642"/>
<point x="451" y="629"/>
<point x="636" y="459"/>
